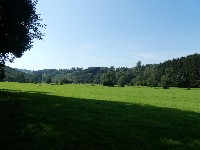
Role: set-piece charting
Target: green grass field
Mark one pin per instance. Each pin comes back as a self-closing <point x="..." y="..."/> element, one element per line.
<point x="42" y="116"/>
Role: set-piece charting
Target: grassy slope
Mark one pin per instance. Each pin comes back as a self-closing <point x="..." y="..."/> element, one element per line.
<point x="96" y="117"/>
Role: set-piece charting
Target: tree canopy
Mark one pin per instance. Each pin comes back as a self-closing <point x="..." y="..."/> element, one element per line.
<point x="19" y="26"/>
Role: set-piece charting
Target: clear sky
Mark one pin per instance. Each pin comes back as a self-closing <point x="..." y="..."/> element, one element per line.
<point x="89" y="33"/>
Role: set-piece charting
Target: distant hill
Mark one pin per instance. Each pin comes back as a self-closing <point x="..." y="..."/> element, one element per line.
<point x="16" y="75"/>
<point x="179" y="72"/>
<point x="24" y="70"/>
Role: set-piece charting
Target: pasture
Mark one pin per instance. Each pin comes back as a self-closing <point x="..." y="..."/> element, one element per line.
<point x="43" y="116"/>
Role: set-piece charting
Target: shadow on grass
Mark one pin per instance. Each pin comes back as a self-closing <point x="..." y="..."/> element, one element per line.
<point x="30" y="120"/>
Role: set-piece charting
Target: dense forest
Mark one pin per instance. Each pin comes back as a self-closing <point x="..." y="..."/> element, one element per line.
<point x="180" y="72"/>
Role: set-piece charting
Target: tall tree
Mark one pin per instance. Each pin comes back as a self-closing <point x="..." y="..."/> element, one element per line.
<point x="19" y="26"/>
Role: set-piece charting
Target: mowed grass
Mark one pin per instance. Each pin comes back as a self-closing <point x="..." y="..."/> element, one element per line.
<point x="42" y="116"/>
<point x="182" y="99"/>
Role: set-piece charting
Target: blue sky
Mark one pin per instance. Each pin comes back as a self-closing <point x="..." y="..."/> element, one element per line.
<point x="85" y="33"/>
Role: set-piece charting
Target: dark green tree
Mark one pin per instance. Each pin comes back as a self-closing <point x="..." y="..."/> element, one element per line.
<point x="121" y="81"/>
<point x="19" y="26"/>
<point x="109" y="78"/>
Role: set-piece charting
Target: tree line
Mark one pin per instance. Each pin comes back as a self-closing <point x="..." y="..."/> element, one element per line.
<point x="182" y="72"/>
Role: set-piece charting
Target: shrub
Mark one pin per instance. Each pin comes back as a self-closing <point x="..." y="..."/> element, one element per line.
<point x="108" y="83"/>
<point x="105" y="83"/>
<point x="111" y="84"/>
<point x="165" y="86"/>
